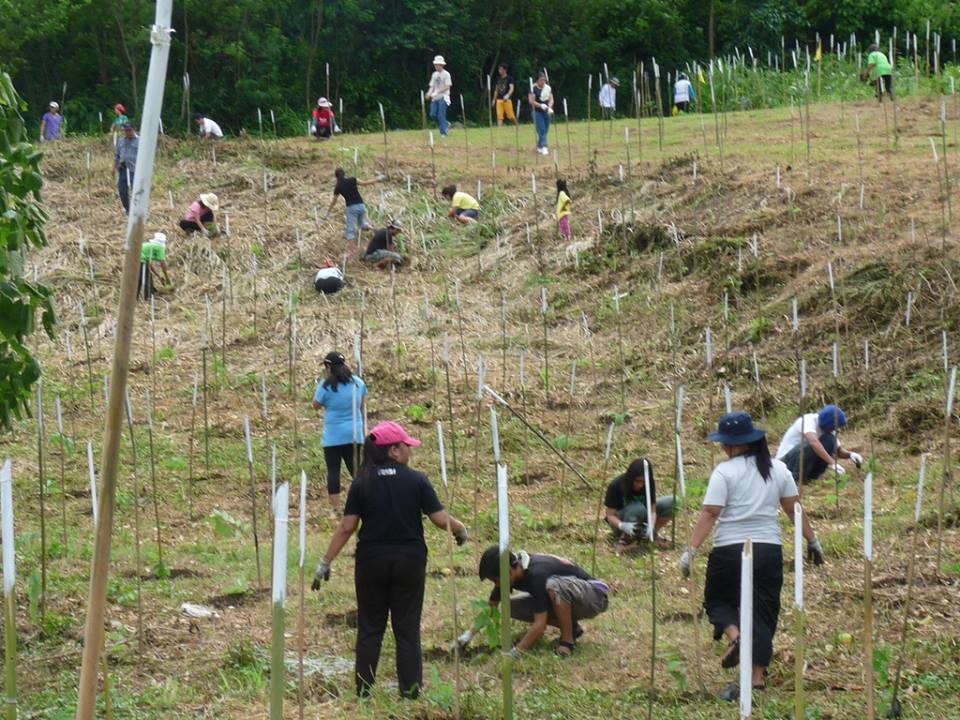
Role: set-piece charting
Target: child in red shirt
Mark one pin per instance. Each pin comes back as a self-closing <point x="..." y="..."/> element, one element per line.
<point x="323" y="119"/>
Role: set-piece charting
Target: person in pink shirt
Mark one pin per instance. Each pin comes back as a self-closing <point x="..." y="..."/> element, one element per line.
<point x="199" y="217"/>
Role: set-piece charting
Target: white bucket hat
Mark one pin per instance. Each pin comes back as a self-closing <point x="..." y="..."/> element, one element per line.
<point x="210" y="200"/>
<point x="438" y="60"/>
<point x="323" y="102"/>
<point x="54" y="104"/>
<point x="160" y="238"/>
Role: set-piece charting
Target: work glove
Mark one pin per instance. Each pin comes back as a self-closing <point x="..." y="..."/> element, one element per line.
<point x="686" y="561"/>
<point x="815" y="552"/>
<point x="514" y="653"/>
<point x="463" y="640"/>
<point x="381" y="177"/>
<point x="323" y="573"/>
<point x="206" y="233"/>
<point x="838" y="468"/>
<point x="857" y="459"/>
<point x="628" y="528"/>
<point x="461" y="536"/>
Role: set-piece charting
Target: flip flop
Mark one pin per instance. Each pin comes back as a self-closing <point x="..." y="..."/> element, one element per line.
<point x="732" y="691"/>
<point x="731" y="658"/>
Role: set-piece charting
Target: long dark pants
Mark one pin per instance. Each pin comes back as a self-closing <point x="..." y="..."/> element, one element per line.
<point x="334" y="455"/>
<point x="813" y="465"/>
<point x="390" y="581"/>
<point x="123" y="188"/>
<point x="721" y="597"/>
<point x="145" y="286"/>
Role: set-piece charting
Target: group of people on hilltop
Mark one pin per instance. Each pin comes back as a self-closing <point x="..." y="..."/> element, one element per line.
<point x="387" y="500"/>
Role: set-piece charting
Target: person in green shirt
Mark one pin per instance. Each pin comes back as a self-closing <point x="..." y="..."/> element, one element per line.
<point x="879" y="72"/>
<point x="152" y="253"/>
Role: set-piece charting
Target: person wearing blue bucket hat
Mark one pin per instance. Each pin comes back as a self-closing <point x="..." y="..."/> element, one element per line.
<point x="814" y="436"/>
<point x="741" y="502"/>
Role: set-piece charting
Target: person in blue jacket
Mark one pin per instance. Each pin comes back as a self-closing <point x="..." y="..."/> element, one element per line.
<point x="341" y="394"/>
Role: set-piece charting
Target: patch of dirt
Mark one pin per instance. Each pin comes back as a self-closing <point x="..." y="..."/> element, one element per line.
<point x="239" y="599"/>
<point x="334" y="619"/>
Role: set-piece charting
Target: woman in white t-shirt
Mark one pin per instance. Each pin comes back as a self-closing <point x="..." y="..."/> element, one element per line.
<point x="741" y="501"/>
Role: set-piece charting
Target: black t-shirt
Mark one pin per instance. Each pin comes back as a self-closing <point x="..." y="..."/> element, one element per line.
<point x="614" y="498"/>
<point x="503" y="86"/>
<point x="391" y="505"/>
<point x="534" y="580"/>
<point x="349" y="190"/>
<point x="379" y="241"/>
<point x="537" y="91"/>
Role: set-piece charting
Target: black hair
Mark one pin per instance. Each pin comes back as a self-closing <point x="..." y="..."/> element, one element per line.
<point x="490" y="563"/>
<point x="374" y="456"/>
<point x="634" y="470"/>
<point x="449" y="191"/>
<point x="337" y="374"/>
<point x="562" y="187"/>
<point x="873" y="47"/>
<point x="339" y="174"/>
<point x="504" y="66"/>
<point x="760" y="452"/>
<point x="198" y="116"/>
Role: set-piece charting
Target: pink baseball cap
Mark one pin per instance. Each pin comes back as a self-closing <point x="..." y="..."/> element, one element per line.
<point x="390" y="433"/>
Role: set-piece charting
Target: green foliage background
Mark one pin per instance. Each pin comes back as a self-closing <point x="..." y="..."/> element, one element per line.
<point x="244" y="54"/>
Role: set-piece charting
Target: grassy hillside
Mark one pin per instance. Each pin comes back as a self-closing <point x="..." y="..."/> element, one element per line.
<point x="692" y="222"/>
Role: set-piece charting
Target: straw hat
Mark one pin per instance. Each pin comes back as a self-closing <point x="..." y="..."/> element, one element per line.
<point x="438" y="60"/>
<point x="323" y="102"/>
<point x="210" y="200"/>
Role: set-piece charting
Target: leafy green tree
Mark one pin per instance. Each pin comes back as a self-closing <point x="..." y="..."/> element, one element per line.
<point x="22" y="220"/>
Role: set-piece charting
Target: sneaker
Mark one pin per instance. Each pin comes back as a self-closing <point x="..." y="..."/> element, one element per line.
<point x="544" y="151"/>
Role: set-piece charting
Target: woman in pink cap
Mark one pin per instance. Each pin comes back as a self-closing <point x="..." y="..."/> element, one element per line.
<point x="390" y="572"/>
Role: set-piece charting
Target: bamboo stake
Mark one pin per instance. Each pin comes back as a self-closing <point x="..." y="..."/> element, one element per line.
<point x="868" y="592"/>
<point x="546" y="355"/>
<point x="463" y="347"/>
<point x="651" y="696"/>
<point x="301" y="626"/>
<point x="206" y="419"/>
<point x="63" y="486"/>
<point x="278" y="674"/>
<point x="746" y="630"/>
<point x="193" y="426"/>
<point x="589" y="119"/>
<point x="453" y="574"/>
<point x="798" y="695"/>
<point x="453" y="431"/>
<point x="503" y="528"/>
<point x="136" y="516"/>
<point x="41" y="477"/>
<point x="71" y="380"/>
<point x="947" y="460"/>
<point x="161" y="568"/>
<point x="622" y="362"/>
<point x="253" y="496"/>
<point x="253" y="258"/>
<point x="481" y="368"/>
<point x="86" y="348"/>
<point x="153" y="345"/>
<point x="9" y="592"/>
<point x="568" y="432"/>
<point x="596" y="520"/>
<point x="223" y="319"/>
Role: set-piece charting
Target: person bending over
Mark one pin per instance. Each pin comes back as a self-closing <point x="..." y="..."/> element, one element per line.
<point x="626" y="503"/>
<point x="382" y="252"/>
<point x="464" y="208"/>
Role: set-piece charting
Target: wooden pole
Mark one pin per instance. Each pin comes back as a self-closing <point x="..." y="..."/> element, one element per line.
<point x="947" y="461"/>
<point x="253" y="496"/>
<point x="63" y="485"/>
<point x="193" y="444"/>
<point x="9" y="593"/>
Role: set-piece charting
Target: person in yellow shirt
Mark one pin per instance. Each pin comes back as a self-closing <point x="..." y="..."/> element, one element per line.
<point x="464" y="208"/>
<point x="563" y="208"/>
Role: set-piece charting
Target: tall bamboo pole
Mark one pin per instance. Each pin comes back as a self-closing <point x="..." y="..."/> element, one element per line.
<point x="9" y="594"/>
<point x="96" y="605"/>
<point x="503" y="526"/>
<point x="278" y="670"/>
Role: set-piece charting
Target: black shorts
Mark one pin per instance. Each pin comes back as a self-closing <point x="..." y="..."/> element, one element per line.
<point x="329" y="285"/>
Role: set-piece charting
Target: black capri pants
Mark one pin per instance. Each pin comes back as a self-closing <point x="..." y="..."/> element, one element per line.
<point x="721" y="597"/>
<point x="334" y="455"/>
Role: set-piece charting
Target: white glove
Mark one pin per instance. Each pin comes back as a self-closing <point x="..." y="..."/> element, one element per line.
<point x="464" y="639"/>
<point x="686" y="561"/>
<point x="381" y="178"/>
<point x="206" y="233"/>
<point x="857" y="459"/>
<point x="514" y="653"/>
<point x="323" y="573"/>
<point x="838" y="468"/>
<point x="549" y="110"/>
<point x="628" y="528"/>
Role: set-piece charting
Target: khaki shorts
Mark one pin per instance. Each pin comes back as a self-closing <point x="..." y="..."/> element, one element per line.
<point x="505" y="110"/>
<point x="585" y="600"/>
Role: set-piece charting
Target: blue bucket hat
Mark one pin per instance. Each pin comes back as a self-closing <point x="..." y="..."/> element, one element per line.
<point x="736" y="428"/>
<point x="831" y="418"/>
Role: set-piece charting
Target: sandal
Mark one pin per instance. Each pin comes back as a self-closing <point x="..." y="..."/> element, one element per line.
<point x="568" y="646"/>
<point x="731" y="658"/>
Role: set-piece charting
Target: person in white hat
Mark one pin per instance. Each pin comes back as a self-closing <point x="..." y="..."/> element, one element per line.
<point x="153" y="252"/>
<point x="199" y="217"/>
<point x="51" y="123"/>
<point x="438" y="93"/>
<point x="608" y="97"/>
<point x="541" y="100"/>
<point x="323" y="120"/>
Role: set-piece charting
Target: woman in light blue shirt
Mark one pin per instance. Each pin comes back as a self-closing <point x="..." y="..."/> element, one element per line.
<point x="341" y="395"/>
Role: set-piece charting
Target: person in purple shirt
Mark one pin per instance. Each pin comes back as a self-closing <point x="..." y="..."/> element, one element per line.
<point x="50" y="124"/>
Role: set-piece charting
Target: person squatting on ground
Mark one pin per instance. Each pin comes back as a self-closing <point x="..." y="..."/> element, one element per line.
<point x="125" y="162"/>
<point x="200" y="218"/>
<point x="323" y="120"/>
<point x="356" y="213"/>
<point x="504" y="96"/>
<point x="541" y="100"/>
<point x="388" y="500"/>
<point x="209" y="130"/>
<point x="464" y="208"/>
<point x="608" y="98"/>
<point x="438" y="93"/>
<point x="152" y="253"/>
<point x="553" y="591"/>
<point x="741" y="501"/>
<point x="563" y="209"/>
<point x="879" y="72"/>
<point x="329" y="278"/>
<point x="683" y="93"/>
<point x="51" y="123"/>
<point x="816" y="433"/>
<point x="382" y="252"/>
<point x="342" y="395"/>
<point x="626" y="504"/>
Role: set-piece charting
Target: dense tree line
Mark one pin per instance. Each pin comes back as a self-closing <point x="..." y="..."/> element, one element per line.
<point x="244" y="54"/>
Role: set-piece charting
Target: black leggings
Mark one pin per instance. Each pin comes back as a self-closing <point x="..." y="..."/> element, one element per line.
<point x="721" y="597"/>
<point x="389" y="581"/>
<point x="333" y="455"/>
